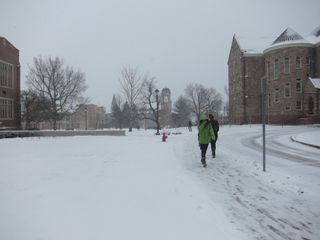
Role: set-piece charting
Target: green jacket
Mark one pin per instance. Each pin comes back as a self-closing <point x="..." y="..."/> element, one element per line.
<point x="206" y="134"/>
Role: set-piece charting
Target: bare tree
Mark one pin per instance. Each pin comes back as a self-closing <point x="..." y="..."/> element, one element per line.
<point x="148" y="110"/>
<point x="214" y="101"/>
<point x="62" y="85"/>
<point x="197" y="96"/>
<point x="34" y="108"/>
<point x="203" y="100"/>
<point x="182" y="109"/>
<point x="131" y="83"/>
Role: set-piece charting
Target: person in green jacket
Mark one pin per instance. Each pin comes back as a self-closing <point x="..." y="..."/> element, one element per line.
<point x="205" y="136"/>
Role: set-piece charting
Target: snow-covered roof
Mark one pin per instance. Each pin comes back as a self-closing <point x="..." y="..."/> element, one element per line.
<point x="253" y="45"/>
<point x="315" y="82"/>
<point x="314" y="36"/>
<point x="288" y="37"/>
<point x="7" y="42"/>
<point x="316" y="32"/>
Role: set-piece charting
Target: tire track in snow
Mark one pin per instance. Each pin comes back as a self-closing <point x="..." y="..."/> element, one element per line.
<point x="276" y="148"/>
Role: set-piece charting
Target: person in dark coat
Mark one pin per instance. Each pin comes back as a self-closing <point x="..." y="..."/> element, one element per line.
<point x="215" y="126"/>
<point x="190" y="126"/>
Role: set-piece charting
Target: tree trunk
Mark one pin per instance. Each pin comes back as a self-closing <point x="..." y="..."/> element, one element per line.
<point x="54" y="124"/>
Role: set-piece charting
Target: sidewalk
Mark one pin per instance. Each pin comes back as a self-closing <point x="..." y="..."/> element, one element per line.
<point x="311" y="139"/>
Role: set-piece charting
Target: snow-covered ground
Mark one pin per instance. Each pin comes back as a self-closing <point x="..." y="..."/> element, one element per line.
<point x="137" y="187"/>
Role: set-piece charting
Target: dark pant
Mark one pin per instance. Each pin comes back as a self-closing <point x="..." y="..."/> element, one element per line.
<point x="213" y="145"/>
<point x="203" y="148"/>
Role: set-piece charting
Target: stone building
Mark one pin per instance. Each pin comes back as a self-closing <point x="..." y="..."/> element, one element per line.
<point x="165" y="101"/>
<point x="10" y="115"/>
<point x="290" y="64"/>
<point x="89" y="116"/>
<point x="166" y="107"/>
<point x="85" y="117"/>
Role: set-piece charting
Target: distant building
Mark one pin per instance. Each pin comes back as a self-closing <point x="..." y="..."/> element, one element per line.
<point x="291" y="66"/>
<point x="165" y="100"/>
<point x="166" y="107"/>
<point x="85" y="117"/>
<point x="10" y="116"/>
<point x="89" y="116"/>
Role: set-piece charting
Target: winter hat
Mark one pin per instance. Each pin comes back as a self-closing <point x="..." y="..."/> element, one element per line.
<point x="203" y="117"/>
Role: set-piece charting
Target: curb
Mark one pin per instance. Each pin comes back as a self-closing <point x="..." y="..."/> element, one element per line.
<point x="307" y="144"/>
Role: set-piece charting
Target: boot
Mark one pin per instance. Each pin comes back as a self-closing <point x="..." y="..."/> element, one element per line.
<point x="203" y="161"/>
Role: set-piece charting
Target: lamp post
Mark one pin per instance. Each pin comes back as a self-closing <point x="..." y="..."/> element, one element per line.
<point x="157" y="111"/>
<point x="246" y="109"/>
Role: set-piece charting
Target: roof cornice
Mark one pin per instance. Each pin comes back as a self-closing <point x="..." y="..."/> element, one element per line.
<point x="245" y="54"/>
<point x="287" y="45"/>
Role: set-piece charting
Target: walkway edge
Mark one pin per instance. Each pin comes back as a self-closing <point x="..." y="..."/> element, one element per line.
<point x="307" y="144"/>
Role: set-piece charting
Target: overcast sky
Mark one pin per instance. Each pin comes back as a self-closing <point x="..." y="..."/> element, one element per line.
<point x="176" y="41"/>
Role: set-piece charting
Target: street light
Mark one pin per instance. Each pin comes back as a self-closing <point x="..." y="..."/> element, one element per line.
<point x="157" y="111"/>
<point x="245" y="109"/>
<point x="245" y="100"/>
<point x="247" y="112"/>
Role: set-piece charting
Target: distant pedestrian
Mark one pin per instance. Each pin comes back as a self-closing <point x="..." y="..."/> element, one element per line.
<point x="190" y="126"/>
<point x="205" y="136"/>
<point x="215" y="126"/>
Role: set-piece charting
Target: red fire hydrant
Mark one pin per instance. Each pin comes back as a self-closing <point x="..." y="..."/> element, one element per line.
<point x="164" y="137"/>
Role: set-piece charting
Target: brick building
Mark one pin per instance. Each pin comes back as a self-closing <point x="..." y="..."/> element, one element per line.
<point x="291" y="66"/>
<point x="9" y="85"/>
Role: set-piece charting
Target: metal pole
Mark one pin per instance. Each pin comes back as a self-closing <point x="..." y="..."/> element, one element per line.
<point x="263" y="111"/>
<point x="157" y="100"/>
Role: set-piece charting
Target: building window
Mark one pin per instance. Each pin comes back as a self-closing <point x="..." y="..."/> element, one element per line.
<point x="268" y="70"/>
<point x="298" y="85"/>
<point x="299" y="105"/>
<point x="276" y="95"/>
<point x="286" y="65"/>
<point x="6" y="75"/>
<point x="6" y="109"/>
<point x="287" y="91"/>
<point x="298" y="62"/>
<point x="287" y="108"/>
<point x="269" y="100"/>
<point x="308" y="60"/>
<point x="276" y="69"/>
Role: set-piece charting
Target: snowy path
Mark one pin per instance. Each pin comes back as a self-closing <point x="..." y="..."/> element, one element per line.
<point x="91" y="188"/>
<point x="282" y="203"/>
